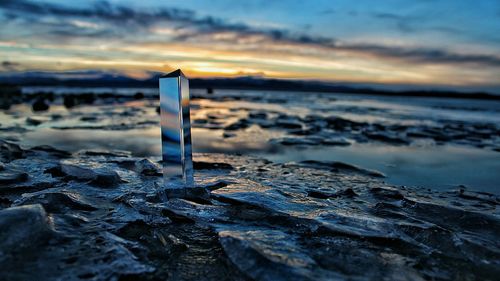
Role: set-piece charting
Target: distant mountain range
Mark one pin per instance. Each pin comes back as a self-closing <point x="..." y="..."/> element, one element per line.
<point x="102" y="79"/>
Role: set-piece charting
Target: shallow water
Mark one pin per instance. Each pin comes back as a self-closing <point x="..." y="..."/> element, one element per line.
<point x="424" y="162"/>
<point x="439" y="168"/>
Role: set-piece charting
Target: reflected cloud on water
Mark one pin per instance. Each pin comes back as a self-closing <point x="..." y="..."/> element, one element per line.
<point x="256" y="123"/>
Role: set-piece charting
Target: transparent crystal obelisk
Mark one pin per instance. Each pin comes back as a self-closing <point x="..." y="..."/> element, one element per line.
<point x="176" y="133"/>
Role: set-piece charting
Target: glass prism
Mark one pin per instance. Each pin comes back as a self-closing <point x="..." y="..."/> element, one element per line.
<point x="176" y="131"/>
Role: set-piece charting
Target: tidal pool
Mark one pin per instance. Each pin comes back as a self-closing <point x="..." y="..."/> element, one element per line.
<point x="437" y="167"/>
<point x="254" y="122"/>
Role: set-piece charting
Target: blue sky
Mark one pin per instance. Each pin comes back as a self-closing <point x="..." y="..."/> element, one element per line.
<point x="436" y="43"/>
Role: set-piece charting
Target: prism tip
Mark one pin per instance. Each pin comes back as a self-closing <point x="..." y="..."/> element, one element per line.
<point x="175" y="73"/>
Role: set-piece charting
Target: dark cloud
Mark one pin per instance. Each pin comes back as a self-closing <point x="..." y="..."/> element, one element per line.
<point x="100" y="10"/>
<point x="69" y="31"/>
<point x="424" y="55"/>
<point x="127" y="17"/>
<point x="327" y="12"/>
<point x="402" y="23"/>
<point x="122" y="20"/>
<point x="104" y="11"/>
<point x="388" y="16"/>
<point x="407" y="24"/>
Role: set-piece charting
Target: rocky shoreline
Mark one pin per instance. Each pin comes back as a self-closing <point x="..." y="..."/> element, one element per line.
<point x="102" y="216"/>
<point x="74" y="207"/>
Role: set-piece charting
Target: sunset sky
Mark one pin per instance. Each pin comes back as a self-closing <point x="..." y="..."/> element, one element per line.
<point x="451" y="42"/>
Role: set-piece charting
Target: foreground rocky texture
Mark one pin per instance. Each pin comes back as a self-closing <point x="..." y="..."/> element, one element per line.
<point x="102" y="216"/>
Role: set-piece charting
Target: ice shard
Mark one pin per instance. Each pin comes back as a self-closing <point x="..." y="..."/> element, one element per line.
<point x="176" y="132"/>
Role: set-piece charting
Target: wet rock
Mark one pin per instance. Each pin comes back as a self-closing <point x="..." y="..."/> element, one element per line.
<point x="199" y="121"/>
<point x="86" y="98"/>
<point x="58" y="202"/>
<point x="188" y="211"/>
<point x="272" y="100"/>
<point x="214" y="185"/>
<point x="195" y="194"/>
<point x="74" y="172"/>
<point x="271" y="255"/>
<point x="257" y="115"/>
<point x="263" y="123"/>
<point x="416" y="133"/>
<point x="379" y="136"/>
<point x="238" y="125"/>
<point x="72" y="100"/>
<point x="299" y="141"/>
<point x="128" y="164"/>
<point x="322" y="194"/>
<point x="341" y="124"/>
<point x="336" y="141"/>
<point x="106" y="178"/>
<point x="209" y="124"/>
<point x="306" y="131"/>
<point x="40" y="105"/>
<point x="347" y="256"/>
<point x="5" y="203"/>
<point x="341" y="166"/>
<point x="13" y="129"/>
<point x="50" y="151"/>
<point x="177" y="243"/>
<point x="69" y="101"/>
<point x="88" y="118"/>
<point x="56" y="117"/>
<point x="264" y="220"/>
<point x="215" y="116"/>
<point x="12" y="177"/>
<point x="147" y="168"/>
<point x="10" y="151"/>
<point x="170" y="243"/>
<point x="387" y="193"/>
<point x="200" y="165"/>
<point x="139" y="96"/>
<point x="319" y="194"/>
<point x="23" y="228"/>
<point x="35" y="121"/>
<point x="289" y="124"/>
<point x="228" y="135"/>
<point x="9" y="95"/>
<point x="453" y="218"/>
<point x="102" y="177"/>
<point x="479" y="196"/>
<point x="113" y="153"/>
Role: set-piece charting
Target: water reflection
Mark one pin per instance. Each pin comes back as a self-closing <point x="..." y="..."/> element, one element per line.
<point x="142" y="142"/>
<point x="439" y="168"/>
<point x="134" y="126"/>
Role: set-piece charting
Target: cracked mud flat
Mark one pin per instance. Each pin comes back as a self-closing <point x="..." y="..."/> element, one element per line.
<point x="100" y="217"/>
